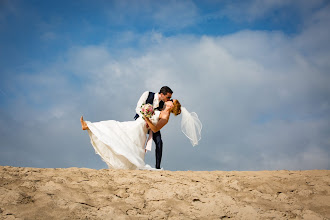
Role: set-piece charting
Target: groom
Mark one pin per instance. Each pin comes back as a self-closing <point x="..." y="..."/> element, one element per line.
<point x="157" y="100"/>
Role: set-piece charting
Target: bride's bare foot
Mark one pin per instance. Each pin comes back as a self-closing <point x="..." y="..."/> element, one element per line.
<point x="83" y="123"/>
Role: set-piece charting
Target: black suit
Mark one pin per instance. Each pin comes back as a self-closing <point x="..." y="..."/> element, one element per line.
<point x="157" y="137"/>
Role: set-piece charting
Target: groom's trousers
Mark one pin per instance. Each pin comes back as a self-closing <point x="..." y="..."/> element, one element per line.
<point x="159" y="148"/>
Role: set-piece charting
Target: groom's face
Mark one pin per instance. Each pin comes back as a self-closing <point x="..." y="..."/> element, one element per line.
<point x="166" y="97"/>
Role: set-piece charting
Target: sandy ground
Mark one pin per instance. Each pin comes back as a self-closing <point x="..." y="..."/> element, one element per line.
<point x="80" y="193"/>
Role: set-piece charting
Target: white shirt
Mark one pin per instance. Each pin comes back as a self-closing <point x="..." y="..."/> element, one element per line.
<point x="143" y="100"/>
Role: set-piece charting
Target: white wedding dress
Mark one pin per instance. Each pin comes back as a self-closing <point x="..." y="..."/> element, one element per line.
<point x="121" y="144"/>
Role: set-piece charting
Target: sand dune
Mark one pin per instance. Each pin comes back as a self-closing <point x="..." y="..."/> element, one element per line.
<point x="80" y="193"/>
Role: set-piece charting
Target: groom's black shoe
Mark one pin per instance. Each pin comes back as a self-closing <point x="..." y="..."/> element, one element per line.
<point x="159" y="148"/>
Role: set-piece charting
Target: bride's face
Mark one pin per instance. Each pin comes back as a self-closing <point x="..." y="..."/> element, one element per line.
<point x="169" y="104"/>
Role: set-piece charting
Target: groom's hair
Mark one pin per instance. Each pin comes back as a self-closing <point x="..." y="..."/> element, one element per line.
<point x="165" y="90"/>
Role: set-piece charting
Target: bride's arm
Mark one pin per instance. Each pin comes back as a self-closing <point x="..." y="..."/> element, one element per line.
<point x="161" y="123"/>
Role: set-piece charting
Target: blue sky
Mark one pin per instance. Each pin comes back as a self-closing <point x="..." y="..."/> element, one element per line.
<point x="256" y="72"/>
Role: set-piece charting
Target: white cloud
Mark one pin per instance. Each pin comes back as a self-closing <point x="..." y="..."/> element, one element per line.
<point x="311" y="158"/>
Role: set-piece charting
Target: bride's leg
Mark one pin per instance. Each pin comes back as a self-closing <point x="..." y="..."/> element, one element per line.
<point x="83" y="124"/>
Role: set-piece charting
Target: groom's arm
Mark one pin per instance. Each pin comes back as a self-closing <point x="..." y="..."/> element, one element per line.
<point x="141" y="101"/>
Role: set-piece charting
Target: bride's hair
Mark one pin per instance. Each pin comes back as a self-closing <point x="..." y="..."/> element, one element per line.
<point x="176" y="110"/>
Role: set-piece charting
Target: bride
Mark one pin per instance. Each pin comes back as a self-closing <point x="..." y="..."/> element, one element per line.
<point x="121" y="144"/>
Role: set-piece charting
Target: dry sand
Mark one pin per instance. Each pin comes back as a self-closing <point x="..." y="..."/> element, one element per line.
<point x="80" y="193"/>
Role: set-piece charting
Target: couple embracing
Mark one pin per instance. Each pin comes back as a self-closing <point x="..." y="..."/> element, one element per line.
<point x="122" y="144"/>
